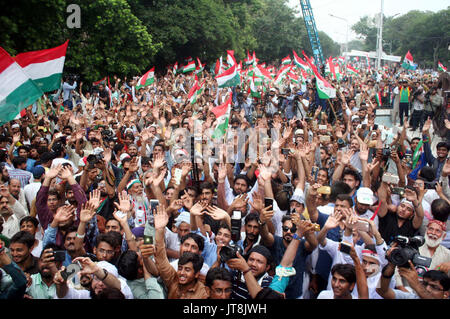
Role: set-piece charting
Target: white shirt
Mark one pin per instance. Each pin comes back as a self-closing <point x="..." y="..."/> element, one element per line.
<point x="172" y="241"/>
<point x="31" y="191"/>
<point x="11" y="226"/>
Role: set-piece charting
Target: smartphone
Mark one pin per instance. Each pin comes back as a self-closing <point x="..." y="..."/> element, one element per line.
<point x="177" y="176"/>
<point x="398" y="190"/>
<point x="363" y="226"/>
<point x="148" y="240"/>
<point x="285" y="151"/>
<point x="325" y="138"/>
<point x="60" y="255"/>
<point x="375" y="127"/>
<point x="268" y="202"/>
<point x="154" y="203"/>
<point x="322" y="127"/>
<point x="345" y="248"/>
<point x="71" y="269"/>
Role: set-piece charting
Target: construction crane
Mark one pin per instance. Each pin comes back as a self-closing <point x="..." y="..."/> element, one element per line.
<point x="312" y="33"/>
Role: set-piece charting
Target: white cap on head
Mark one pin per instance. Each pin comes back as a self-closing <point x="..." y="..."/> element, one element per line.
<point x="364" y="195"/>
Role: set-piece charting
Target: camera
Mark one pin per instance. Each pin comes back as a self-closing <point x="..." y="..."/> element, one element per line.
<point x="340" y="143"/>
<point x="399" y="191"/>
<point x="408" y="250"/>
<point x="59" y="255"/>
<point x="430" y="185"/>
<point x="386" y="152"/>
<point x="229" y="252"/>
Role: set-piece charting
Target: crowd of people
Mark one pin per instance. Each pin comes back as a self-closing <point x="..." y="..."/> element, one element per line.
<point x="114" y="192"/>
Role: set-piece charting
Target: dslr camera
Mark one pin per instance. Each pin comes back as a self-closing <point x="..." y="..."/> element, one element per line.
<point x="229" y="252"/>
<point x="94" y="158"/>
<point x="408" y="250"/>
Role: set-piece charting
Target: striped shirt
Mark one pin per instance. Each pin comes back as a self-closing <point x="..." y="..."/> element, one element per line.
<point x="240" y="290"/>
<point x="23" y="176"/>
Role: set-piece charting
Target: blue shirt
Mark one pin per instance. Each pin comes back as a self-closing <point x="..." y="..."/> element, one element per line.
<point x="294" y="288"/>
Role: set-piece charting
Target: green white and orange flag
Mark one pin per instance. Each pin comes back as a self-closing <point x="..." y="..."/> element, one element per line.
<point x="378" y="98"/>
<point x="441" y="67"/>
<point x="200" y="67"/>
<point x="44" y="67"/>
<point x="300" y="62"/>
<point x="324" y="89"/>
<point x="230" y="58"/>
<point x="286" y="60"/>
<point x="190" y="67"/>
<point x="294" y="77"/>
<point x="262" y="73"/>
<point x="147" y="79"/>
<point x="195" y="91"/>
<point x="17" y="89"/>
<point x="253" y="90"/>
<point x="229" y="77"/>
<point x="351" y="70"/>
<point x="222" y="113"/>
<point x="281" y="74"/>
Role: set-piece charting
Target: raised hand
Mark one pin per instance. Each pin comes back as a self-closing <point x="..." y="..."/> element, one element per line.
<point x="64" y="214"/>
<point x="158" y="161"/>
<point x="198" y="208"/>
<point x="222" y="172"/>
<point x="65" y="173"/>
<point x="446" y="168"/>
<point x="107" y="155"/>
<point x="157" y="179"/>
<point x="427" y="125"/>
<point x="334" y="220"/>
<point x="258" y="203"/>
<point x="134" y="165"/>
<point x="87" y="212"/>
<point x="124" y="204"/>
<point x="240" y="201"/>
<point x="216" y="213"/>
<point x="187" y="200"/>
<point x="363" y="152"/>
<point x="161" y="218"/>
<point x="94" y="198"/>
<point x="266" y="214"/>
<point x="53" y="172"/>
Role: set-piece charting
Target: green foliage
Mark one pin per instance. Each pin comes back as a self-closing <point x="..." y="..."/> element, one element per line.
<point x="127" y="37"/>
<point x="424" y="34"/>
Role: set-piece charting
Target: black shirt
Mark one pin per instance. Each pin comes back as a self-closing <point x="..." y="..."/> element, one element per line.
<point x="389" y="229"/>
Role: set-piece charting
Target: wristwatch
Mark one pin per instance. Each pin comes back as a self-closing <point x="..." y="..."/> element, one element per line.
<point x="261" y="223"/>
<point x="106" y="274"/>
<point x="295" y="236"/>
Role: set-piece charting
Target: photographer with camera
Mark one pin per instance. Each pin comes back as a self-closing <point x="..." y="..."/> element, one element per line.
<point x="417" y="100"/>
<point x="434" y="284"/>
<point x="68" y="86"/>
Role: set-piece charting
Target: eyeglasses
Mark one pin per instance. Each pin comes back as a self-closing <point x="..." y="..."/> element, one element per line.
<point x="107" y="252"/>
<point x="433" y="287"/>
<point x="293" y="229"/>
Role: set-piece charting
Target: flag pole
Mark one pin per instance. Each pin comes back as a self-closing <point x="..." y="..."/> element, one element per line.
<point x="332" y="108"/>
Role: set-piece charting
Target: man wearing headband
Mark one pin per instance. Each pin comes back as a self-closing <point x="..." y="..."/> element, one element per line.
<point x="407" y="219"/>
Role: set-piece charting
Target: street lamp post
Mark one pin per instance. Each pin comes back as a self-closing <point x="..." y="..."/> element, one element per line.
<point x="346" y="37"/>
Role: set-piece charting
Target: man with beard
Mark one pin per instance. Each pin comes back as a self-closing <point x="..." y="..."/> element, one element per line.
<point x="4" y="174"/>
<point x="41" y="285"/>
<point x="104" y="275"/>
<point x="278" y="245"/>
<point x="17" y="192"/>
<point x="11" y="211"/>
<point x="364" y="200"/>
<point x="20" y="248"/>
<point x="139" y="203"/>
<point x="434" y="234"/>
<point x="406" y="220"/>
<point x="241" y="186"/>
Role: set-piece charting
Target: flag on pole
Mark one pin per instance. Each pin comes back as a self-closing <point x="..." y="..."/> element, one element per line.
<point x="324" y="89"/>
<point x="230" y="58"/>
<point x="195" y="91"/>
<point x="249" y="59"/>
<point x="253" y="90"/>
<point x="441" y="67"/>
<point x="175" y="68"/>
<point x="17" y="89"/>
<point x="228" y="77"/>
<point x="378" y="98"/>
<point x="408" y="62"/>
<point x="190" y="67"/>
<point x="286" y="60"/>
<point x="331" y="67"/>
<point x="44" y="67"/>
<point x="102" y="82"/>
<point x="352" y="70"/>
<point x="200" y="67"/>
<point x="147" y="79"/>
<point x="281" y="74"/>
<point x="222" y="113"/>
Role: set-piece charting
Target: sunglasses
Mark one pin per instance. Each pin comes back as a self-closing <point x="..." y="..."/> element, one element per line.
<point x="293" y="229"/>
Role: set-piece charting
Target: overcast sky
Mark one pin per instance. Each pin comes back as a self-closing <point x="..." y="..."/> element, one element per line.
<point x="352" y="10"/>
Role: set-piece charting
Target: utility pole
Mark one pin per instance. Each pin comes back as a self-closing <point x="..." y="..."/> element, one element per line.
<point x="380" y="37"/>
